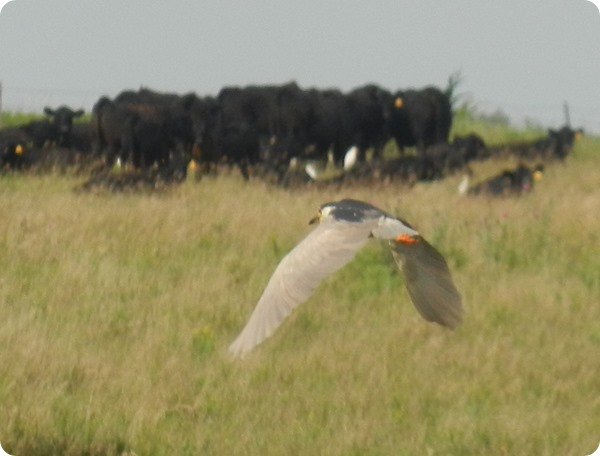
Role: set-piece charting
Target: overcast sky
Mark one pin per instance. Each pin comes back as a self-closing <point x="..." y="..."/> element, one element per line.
<point x="524" y="57"/>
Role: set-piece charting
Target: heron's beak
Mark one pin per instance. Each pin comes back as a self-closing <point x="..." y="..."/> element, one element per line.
<point x="317" y="218"/>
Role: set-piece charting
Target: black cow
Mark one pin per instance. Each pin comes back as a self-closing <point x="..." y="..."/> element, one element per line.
<point x="368" y="111"/>
<point x="142" y="128"/>
<point x="420" y="118"/>
<point x="246" y="125"/>
<point x="19" y="151"/>
<point x="111" y="130"/>
<point x="62" y="121"/>
<point x="471" y="147"/>
<point x="509" y="182"/>
<point x="556" y="145"/>
<point x="562" y="141"/>
<point x="443" y="158"/>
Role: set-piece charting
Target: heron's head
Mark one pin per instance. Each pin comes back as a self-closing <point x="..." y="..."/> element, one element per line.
<point x="323" y="213"/>
<point x="348" y="210"/>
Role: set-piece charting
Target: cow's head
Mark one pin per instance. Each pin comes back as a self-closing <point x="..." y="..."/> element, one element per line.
<point x="62" y="118"/>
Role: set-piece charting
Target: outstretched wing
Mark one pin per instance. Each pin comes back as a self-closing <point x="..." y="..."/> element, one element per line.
<point x="428" y="282"/>
<point x="325" y="250"/>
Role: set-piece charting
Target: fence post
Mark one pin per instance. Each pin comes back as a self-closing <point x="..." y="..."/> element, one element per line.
<point x="567" y="114"/>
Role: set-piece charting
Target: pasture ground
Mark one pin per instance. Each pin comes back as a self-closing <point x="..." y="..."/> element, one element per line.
<point x="117" y="311"/>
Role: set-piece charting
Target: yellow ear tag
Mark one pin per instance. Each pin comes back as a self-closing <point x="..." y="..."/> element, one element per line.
<point x="398" y="103"/>
<point x="19" y="149"/>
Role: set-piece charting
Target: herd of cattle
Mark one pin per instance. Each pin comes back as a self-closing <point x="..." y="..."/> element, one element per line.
<point x="264" y="131"/>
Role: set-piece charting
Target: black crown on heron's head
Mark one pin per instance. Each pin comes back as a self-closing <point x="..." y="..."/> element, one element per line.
<point x="351" y="210"/>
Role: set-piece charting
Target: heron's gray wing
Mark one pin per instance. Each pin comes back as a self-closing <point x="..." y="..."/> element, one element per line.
<point x="429" y="282"/>
<point x="325" y="250"/>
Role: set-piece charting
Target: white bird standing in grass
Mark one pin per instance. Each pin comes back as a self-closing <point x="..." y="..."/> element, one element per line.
<point x="350" y="158"/>
<point x="311" y="170"/>
<point x="344" y="227"/>
<point x="463" y="186"/>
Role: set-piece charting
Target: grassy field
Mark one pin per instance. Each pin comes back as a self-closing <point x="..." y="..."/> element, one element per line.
<point x="117" y="310"/>
<point x="15" y="118"/>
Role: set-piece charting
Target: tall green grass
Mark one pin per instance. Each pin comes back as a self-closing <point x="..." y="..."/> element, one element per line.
<point x="14" y="119"/>
<point x="117" y="311"/>
<point x="492" y="130"/>
<point x="17" y="118"/>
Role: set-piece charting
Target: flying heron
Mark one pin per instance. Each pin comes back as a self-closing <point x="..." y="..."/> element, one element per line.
<point x="344" y="227"/>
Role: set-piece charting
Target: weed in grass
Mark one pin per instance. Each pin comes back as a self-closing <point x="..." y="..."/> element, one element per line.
<point x="203" y="341"/>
